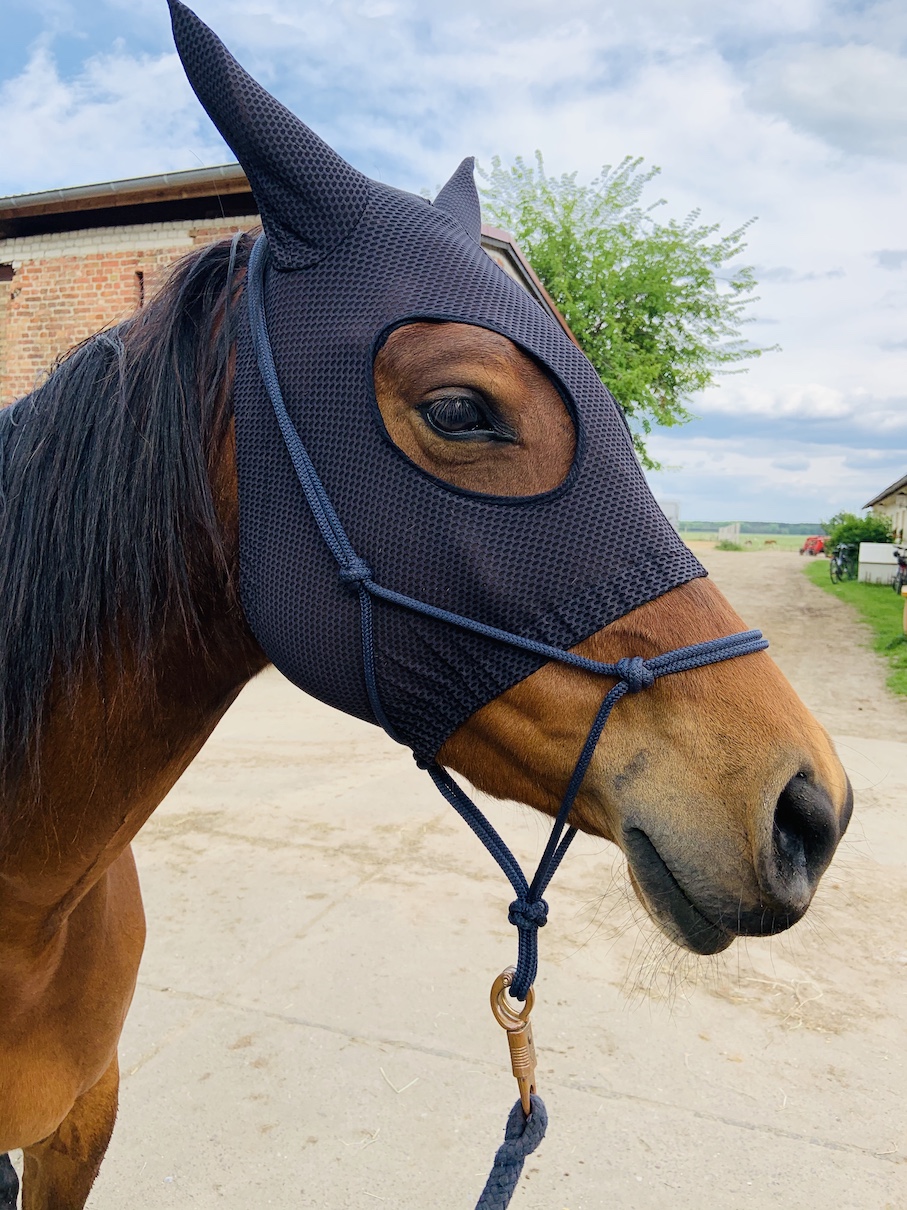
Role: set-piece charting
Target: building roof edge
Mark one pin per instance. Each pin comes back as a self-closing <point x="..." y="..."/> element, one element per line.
<point x="889" y="491"/>
<point x="215" y="181"/>
<point x="165" y="186"/>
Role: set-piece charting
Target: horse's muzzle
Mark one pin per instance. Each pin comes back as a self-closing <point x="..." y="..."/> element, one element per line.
<point x="805" y="832"/>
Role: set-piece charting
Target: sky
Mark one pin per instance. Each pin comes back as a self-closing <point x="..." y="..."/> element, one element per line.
<point x="790" y="111"/>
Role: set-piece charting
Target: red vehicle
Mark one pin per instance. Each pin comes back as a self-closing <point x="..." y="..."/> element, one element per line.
<point x="814" y="545"/>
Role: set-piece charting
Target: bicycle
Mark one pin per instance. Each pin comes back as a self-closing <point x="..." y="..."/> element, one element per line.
<point x="844" y="561"/>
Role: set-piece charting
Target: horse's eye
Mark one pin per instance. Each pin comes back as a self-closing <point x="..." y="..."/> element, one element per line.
<point x="464" y="417"/>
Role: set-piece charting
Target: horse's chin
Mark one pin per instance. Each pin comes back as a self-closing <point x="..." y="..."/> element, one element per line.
<point x="664" y="889"/>
<point x="666" y="901"/>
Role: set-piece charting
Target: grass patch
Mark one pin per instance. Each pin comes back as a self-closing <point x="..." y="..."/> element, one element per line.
<point x="779" y="541"/>
<point x="755" y="541"/>
<point x="877" y="605"/>
<point x="726" y="544"/>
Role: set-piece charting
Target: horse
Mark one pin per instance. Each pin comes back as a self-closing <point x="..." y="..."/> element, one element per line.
<point x="123" y="642"/>
<point x="125" y="632"/>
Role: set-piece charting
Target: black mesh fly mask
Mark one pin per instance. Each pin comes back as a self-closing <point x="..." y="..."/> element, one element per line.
<point x="371" y="584"/>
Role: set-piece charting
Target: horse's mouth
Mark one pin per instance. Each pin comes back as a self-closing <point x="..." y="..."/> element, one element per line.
<point x="667" y="902"/>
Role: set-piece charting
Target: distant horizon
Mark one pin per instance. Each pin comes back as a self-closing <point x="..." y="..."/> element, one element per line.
<point x="758" y="526"/>
<point x="712" y="522"/>
<point x="767" y="525"/>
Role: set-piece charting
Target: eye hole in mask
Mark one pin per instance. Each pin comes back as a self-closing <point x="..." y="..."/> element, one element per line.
<point x="468" y="406"/>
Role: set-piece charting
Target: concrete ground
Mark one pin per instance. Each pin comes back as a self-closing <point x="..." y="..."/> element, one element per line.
<point x="311" y="1026"/>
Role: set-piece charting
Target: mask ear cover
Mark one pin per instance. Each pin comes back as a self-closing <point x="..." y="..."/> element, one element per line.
<point x="309" y="197"/>
<point x="460" y="199"/>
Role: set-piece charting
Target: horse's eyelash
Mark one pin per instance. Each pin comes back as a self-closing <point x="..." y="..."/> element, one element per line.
<point x="495" y="422"/>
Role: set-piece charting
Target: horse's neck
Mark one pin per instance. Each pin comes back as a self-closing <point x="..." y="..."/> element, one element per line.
<point x="110" y="753"/>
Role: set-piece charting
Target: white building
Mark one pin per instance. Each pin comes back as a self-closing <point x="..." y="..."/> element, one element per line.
<point x="892" y="503"/>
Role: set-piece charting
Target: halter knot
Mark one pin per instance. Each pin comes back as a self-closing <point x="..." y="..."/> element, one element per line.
<point x="634" y="673"/>
<point x="528" y="914"/>
<point x="355" y="572"/>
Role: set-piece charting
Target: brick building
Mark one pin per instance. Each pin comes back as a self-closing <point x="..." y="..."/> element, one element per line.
<point x="73" y="261"/>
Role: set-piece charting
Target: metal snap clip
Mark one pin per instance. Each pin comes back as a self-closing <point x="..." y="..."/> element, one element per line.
<point x="519" y="1035"/>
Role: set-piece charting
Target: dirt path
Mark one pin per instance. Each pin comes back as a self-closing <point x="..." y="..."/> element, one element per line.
<point x="817" y="641"/>
<point x="311" y="1025"/>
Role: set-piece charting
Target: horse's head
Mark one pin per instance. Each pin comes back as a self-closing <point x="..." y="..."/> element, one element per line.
<point x="473" y="461"/>
<point x="720" y="787"/>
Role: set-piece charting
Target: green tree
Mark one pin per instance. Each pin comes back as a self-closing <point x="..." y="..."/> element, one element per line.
<point x="656" y="307"/>
<point x="851" y="529"/>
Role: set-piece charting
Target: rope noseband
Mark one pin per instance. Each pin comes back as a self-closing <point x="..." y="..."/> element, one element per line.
<point x="529" y="911"/>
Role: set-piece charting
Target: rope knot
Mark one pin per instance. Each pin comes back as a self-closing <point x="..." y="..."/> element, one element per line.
<point x="526" y="914"/>
<point x="634" y="673"/>
<point x="355" y="572"/>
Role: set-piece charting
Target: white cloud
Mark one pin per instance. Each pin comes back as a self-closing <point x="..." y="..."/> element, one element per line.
<point x="853" y="96"/>
<point x="808" y="402"/>
<point x="812" y="400"/>
<point x="132" y="115"/>
<point x="766" y="480"/>
<point x="790" y="277"/>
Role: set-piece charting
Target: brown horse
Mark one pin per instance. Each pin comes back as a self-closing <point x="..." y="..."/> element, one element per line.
<point x="122" y="642"/>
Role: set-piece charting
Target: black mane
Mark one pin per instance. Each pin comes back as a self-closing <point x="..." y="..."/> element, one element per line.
<point x="106" y="510"/>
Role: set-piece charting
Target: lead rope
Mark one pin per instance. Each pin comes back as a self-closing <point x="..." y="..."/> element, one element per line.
<point x="522" y="1135"/>
<point x="528" y="912"/>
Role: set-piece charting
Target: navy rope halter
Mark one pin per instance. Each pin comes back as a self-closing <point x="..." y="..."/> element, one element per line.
<point x="529" y="911"/>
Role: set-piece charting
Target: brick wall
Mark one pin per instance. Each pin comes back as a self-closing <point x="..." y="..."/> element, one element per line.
<point x="66" y="286"/>
<point x="6" y="275"/>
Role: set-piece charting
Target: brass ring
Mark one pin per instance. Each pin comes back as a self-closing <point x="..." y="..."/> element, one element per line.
<point x="503" y="1010"/>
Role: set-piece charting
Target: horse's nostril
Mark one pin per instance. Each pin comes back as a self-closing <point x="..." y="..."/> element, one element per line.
<point x="804" y="837"/>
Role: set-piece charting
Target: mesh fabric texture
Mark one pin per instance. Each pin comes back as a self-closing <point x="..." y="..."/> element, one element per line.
<point x="555" y="567"/>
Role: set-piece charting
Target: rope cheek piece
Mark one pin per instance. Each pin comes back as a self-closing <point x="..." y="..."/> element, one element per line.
<point x="528" y="912"/>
